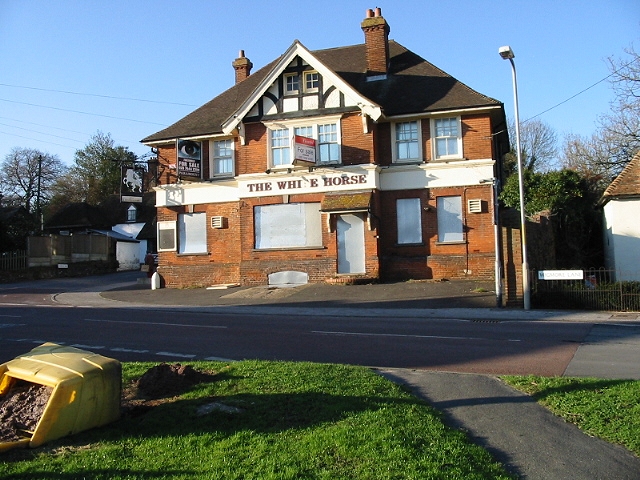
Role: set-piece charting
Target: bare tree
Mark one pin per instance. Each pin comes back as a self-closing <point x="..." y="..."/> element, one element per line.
<point x="26" y="174"/>
<point x="538" y="142"/>
<point x="617" y="138"/>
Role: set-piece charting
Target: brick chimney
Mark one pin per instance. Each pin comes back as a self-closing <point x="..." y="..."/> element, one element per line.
<point x="242" y="66"/>
<point x="376" y="38"/>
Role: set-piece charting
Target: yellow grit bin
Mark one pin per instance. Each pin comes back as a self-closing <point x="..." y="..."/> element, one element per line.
<point x="86" y="390"/>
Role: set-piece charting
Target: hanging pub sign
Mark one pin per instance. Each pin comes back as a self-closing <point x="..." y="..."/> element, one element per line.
<point x="304" y="151"/>
<point x="189" y="158"/>
<point x="131" y="186"/>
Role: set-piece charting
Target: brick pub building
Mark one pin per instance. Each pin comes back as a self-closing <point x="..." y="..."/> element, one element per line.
<point x="362" y="162"/>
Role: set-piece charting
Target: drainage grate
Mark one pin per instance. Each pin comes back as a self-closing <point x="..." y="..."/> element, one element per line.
<point x="628" y="316"/>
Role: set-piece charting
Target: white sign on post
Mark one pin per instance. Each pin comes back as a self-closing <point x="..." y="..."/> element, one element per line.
<point x="560" y="275"/>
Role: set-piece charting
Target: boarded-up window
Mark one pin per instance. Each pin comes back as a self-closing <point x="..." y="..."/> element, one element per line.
<point x="192" y="228"/>
<point x="166" y="236"/>
<point x="409" y="220"/>
<point x="450" y="219"/>
<point x="288" y="225"/>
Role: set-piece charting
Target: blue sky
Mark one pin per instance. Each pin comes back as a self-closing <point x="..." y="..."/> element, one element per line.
<point x="130" y="68"/>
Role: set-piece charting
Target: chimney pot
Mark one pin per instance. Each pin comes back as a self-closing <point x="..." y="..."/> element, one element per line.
<point x="368" y="13"/>
<point x="378" y="12"/>
<point x="242" y="67"/>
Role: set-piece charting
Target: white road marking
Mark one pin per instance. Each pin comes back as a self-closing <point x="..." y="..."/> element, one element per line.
<point x="127" y="350"/>
<point x="171" y="354"/>
<point x="440" y="337"/>
<point x="219" y="359"/>
<point x="154" y="323"/>
<point x="11" y="316"/>
<point x="88" y="347"/>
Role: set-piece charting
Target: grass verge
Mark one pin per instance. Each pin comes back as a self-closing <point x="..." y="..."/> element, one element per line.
<point x="608" y="409"/>
<point x="280" y="420"/>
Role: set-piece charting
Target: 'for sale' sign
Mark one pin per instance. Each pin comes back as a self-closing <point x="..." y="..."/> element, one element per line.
<point x="304" y="150"/>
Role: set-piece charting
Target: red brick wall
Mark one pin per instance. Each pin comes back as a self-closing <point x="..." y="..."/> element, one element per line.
<point x="477" y="141"/>
<point x="231" y="255"/>
<point x="473" y="258"/>
<point x="166" y="157"/>
<point x="357" y="146"/>
<point x="252" y="157"/>
<point x="219" y="265"/>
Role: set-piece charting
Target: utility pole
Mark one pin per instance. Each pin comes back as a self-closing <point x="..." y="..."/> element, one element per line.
<point x="38" y="210"/>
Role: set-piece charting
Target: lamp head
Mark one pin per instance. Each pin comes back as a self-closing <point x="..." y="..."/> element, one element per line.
<point x="506" y="53"/>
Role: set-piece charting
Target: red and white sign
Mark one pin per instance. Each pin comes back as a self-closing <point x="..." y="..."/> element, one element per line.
<point x="304" y="149"/>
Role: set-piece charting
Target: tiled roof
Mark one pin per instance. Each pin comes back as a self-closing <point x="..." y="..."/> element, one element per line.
<point x="627" y="183"/>
<point x="412" y="86"/>
<point x="355" y="201"/>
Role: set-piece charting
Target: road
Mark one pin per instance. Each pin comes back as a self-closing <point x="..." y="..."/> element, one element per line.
<point x="30" y="315"/>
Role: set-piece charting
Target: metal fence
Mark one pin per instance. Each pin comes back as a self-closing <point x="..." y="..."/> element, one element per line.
<point x="13" y="261"/>
<point x="598" y="289"/>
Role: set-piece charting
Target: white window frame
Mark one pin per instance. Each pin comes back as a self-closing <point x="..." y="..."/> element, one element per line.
<point x="307" y="123"/>
<point x="169" y="227"/>
<point x="312" y="77"/>
<point x="409" y="221"/>
<point x="192" y="233"/>
<point x="323" y="140"/>
<point x="458" y="139"/>
<point x="287" y="226"/>
<point x="450" y="219"/>
<point x="295" y="80"/>
<point x="283" y="144"/>
<point x="213" y="158"/>
<point x="395" y="142"/>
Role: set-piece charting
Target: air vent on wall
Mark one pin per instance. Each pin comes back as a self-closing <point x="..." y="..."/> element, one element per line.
<point x="217" y="222"/>
<point x="474" y="205"/>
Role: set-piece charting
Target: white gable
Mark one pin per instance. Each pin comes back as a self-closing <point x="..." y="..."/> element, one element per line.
<point x="333" y="87"/>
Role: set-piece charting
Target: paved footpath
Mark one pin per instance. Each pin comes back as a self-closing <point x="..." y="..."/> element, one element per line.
<point x="529" y="440"/>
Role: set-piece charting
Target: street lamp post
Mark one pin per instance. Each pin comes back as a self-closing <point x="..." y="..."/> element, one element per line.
<point x="507" y="54"/>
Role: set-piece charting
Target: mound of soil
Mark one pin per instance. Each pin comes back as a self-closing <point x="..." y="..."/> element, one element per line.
<point x="21" y="408"/>
<point x="166" y="380"/>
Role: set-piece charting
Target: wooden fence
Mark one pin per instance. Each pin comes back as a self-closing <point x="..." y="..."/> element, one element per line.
<point x="63" y="249"/>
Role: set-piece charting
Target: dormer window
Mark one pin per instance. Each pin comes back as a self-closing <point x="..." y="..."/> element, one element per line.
<point x="132" y="213"/>
<point x="311" y="81"/>
<point x="291" y="84"/>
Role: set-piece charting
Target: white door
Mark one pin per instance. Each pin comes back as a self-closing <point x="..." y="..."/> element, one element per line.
<point x="350" y="230"/>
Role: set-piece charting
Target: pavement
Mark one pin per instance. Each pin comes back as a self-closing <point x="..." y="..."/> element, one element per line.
<point x="530" y="441"/>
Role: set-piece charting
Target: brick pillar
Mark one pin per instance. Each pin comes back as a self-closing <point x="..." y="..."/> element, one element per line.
<point x="512" y="268"/>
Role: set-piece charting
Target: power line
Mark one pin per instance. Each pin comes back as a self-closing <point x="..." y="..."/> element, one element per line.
<point x="56" y="128"/>
<point x="42" y="125"/>
<point x="111" y="97"/>
<point x="580" y="92"/>
<point x="82" y="113"/>
<point x="42" y="133"/>
<point x="36" y="140"/>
